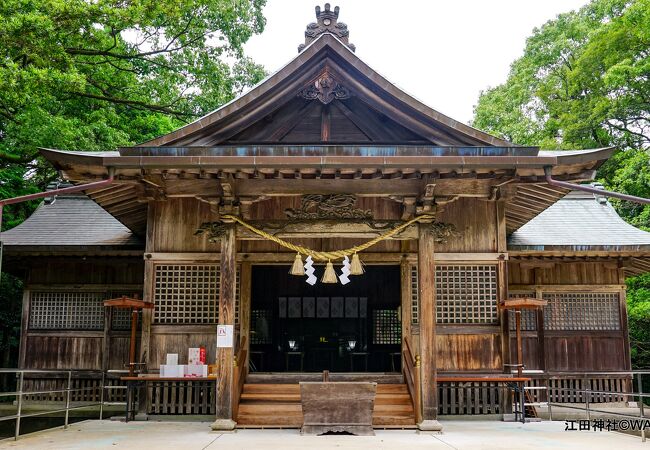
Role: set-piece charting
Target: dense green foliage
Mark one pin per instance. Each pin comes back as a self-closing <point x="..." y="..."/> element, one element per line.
<point x="584" y="82"/>
<point x="639" y="319"/>
<point x="96" y="75"/>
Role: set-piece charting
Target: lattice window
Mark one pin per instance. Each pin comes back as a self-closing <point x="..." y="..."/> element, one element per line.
<point x="260" y="332"/>
<point x="466" y="294"/>
<point x="415" y="309"/>
<point x="186" y="294"/>
<point x="581" y="311"/>
<point x="387" y="328"/>
<point x="72" y="310"/>
<point x="121" y="317"/>
<point x="528" y="316"/>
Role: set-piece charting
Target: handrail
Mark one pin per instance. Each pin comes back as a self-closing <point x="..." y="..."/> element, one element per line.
<point x="68" y="376"/>
<point x="412" y="376"/>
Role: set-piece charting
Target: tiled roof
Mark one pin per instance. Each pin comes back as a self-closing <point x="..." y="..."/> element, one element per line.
<point x="579" y="222"/>
<point x="72" y="221"/>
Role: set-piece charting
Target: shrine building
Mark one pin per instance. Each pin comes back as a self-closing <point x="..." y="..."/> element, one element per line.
<point x="336" y="224"/>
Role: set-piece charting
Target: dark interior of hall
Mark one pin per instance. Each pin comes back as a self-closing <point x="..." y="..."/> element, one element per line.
<point x="296" y="327"/>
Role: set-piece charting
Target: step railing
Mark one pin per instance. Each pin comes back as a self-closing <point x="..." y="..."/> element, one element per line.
<point x="412" y="376"/>
<point x="67" y="375"/>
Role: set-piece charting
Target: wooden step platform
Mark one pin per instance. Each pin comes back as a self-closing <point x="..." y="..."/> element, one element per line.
<point x="278" y="406"/>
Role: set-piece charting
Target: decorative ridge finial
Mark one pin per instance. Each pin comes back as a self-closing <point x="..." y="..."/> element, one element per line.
<point x="326" y="22"/>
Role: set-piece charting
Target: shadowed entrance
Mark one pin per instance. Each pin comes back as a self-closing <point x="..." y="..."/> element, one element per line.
<point x="296" y="327"/>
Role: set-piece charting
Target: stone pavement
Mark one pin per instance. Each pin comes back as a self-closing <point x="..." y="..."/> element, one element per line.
<point x="474" y="435"/>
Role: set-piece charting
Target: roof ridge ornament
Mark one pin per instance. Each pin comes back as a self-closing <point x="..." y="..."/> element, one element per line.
<point x="325" y="88"/>
<point x="326" y="22"/>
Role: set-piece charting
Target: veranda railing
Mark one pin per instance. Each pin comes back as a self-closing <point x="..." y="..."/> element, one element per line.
<point x="68" y="375"/>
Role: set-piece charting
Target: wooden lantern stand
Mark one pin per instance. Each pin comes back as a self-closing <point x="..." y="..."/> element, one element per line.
<point x="134" y="304"/>
<point x="517" y="304"/>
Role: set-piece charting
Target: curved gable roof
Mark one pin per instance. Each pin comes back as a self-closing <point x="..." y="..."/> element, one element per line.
<point x="327" y="54"/>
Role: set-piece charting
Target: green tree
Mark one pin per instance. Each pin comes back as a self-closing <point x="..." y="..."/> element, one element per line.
<point x="583" y="82"/>
<point x="97" y="75"/>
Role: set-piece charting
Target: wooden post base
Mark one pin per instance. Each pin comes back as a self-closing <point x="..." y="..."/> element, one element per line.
<point x="223" y="425"/>
<point x="430" y="425"/>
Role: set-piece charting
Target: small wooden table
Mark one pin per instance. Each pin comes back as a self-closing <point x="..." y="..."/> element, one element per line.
<point x="300" y="355"/>
<point x="363" y="355"/>
<point x="134" y="382"/>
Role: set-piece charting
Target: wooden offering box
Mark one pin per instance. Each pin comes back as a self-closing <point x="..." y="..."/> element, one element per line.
<point x="338" y="407"/>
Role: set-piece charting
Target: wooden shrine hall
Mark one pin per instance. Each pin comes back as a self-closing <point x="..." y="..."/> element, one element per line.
<point x="340" y="225"/>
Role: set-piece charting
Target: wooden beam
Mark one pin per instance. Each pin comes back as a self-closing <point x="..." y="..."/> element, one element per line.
<point x="225" y="355"/>
<point x="326" y="229"/>
<point x="272" y="258"/>
<point x="365" y="187"/>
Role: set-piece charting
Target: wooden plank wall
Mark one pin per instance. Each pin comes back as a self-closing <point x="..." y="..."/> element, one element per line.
<point x="475" y="222"/>
<point x="580" y="351"/>
<point x="58" y="349"/>
<point x="468" y="348"/>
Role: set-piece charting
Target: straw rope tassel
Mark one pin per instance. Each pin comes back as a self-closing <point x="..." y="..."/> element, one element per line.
<point x="356" y="268"/>
<point x="329" y="276"/>
<point x="298" y="268"/>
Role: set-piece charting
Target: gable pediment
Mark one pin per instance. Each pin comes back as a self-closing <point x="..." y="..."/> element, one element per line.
<point x="326" y="95"/>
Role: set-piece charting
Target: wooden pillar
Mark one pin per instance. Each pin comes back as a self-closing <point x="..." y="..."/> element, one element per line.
<point x="24" y="326"/>
<point x="427" y="297"/>
<point x="106" y="340"/>
<point x="225" y="355"/>
<point x="245" y="285"/>
<point x="144" y="395"/>
<point x="405" y="308"/>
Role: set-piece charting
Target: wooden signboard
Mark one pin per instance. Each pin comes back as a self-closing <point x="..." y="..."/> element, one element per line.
<point x="338" y="407"/>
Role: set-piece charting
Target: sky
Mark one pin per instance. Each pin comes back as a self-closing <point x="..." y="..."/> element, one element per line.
<point x="444" y="53"/>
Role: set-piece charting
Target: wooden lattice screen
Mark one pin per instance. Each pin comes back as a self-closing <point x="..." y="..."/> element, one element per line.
<point x="71" y="310"/>
<point x="237" y="295"/>
<point x="582" y="311"/>
<point x="261" y="326"/>
<point x="186" y="294"/>
<point x="121" y="317"/>
<point x="528" y="316"/>
<point x="387" y="328"/>
<point x="466" y="294"/>
<point x="415" y="307"/>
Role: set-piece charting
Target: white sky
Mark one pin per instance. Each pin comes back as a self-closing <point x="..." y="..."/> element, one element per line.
<point x="442" y="52"/>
